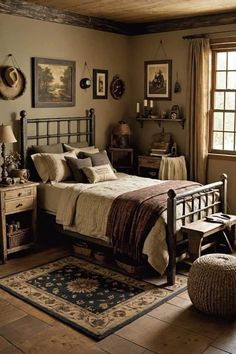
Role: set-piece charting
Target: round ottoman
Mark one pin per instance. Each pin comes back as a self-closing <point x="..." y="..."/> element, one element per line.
<point x="212" y="284"/>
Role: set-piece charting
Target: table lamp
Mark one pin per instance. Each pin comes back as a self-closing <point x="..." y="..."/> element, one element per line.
<point x="6" y="136"/>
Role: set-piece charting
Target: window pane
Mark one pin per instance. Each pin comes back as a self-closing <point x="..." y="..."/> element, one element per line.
<point x="229" y="121"/>
<point x="229" y="100"/>
<point x="221" y="80"/>
<point x="221" y="61"/>
<point x="228" y="141"/>
<point x="218" y="121"/>
<point x="217" y="140"/>
<point x="231" y="80"/>
<point x="219" y="100"/>
<point x="232" y="60"/>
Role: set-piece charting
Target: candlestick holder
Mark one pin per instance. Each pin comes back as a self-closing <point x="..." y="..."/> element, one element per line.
<point x="147" y="112"/>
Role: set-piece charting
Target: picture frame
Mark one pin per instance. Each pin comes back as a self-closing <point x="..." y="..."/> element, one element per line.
<point x="158" y="79"/>
<point x="53" y="82"/>
<point x="100" y="84"/>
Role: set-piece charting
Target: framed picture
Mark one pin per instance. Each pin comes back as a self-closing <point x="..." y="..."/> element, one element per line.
<point x="100" y="84"/>
<point x="53" y="83"/>
<point x="158" y="79"/>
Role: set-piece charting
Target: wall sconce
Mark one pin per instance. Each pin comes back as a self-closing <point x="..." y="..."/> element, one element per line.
<point x="86" y="82"/>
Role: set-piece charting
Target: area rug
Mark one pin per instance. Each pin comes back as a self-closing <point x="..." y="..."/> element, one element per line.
<point x="87" y="296"/>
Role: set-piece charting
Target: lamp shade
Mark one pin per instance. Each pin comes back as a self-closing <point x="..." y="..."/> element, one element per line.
<point x="6" y="134"/>
<point x="122" y="128"/>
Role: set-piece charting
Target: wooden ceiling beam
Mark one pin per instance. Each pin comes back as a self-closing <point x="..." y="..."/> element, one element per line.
<point x="39" y="12"/>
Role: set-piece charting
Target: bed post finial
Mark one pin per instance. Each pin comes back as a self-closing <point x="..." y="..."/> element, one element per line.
<point x="23" y="137"/>
<point x="224" y="179"/>
<point x="171" y="193"/>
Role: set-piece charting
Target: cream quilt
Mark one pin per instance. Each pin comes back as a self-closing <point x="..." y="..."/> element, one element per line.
<point x="84" y="208"/>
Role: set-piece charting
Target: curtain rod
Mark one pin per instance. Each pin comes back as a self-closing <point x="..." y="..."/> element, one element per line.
<point x="205" y="35"/>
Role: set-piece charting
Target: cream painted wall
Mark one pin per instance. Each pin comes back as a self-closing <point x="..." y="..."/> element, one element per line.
<point x="26" y="38"/>
<point x="145" y="47"/>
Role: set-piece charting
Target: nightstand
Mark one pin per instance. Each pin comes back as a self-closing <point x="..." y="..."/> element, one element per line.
<point x="18" y="205"/>
<point x="122" y="158"/>
<point x="149" y="164"/>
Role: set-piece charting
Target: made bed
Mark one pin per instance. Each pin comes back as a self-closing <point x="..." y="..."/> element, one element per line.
<point x="133" y="216"/>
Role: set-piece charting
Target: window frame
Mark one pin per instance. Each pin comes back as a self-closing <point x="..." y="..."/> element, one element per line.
<point x="217" y="46"/>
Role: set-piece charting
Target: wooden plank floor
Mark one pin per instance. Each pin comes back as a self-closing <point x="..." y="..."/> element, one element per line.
<point x="173" y="328"/>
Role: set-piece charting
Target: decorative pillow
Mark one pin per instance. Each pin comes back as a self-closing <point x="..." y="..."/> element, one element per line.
<point x="77" y="150"/>
<point x="76" y="166"/>
<point x="98" y="159"/>
<point x="52" y="149"/>
<point x="52" y="167"/>
<point x="99" y="173"/>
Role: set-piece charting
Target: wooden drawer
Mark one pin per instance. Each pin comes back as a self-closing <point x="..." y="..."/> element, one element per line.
<point x="19" y="193"/>
<point x="149" y="161"/>
<point x="19" y="204"/>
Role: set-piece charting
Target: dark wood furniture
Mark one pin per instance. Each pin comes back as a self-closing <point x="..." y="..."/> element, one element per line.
<point x="149" y="164"/>
<point x="174" y="199"/>
<point x="141" y="120"/>
<point x="18" y="205"/>
<point x="122" y="158"/>
<point x="200" y="230"/>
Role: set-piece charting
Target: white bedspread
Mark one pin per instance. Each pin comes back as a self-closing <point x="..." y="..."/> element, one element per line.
<point x="84" y="208"/>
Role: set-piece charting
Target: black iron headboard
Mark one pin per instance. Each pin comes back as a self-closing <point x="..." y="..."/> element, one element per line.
<point x="65" y="129"/>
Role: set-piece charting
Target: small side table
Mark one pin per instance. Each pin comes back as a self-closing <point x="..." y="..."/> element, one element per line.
<point x="18" y="205"/>
<point x="122" y="158"/>
<point x="149" y="163"/>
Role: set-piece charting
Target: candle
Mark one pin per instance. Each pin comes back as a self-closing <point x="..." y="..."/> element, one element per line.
<point x="145" y="103"/>
<point x="138" y="107"/>
<point x="151" y="104"/>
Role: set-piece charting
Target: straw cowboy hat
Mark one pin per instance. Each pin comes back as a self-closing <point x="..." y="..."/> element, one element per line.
<point x="12" y="82"/>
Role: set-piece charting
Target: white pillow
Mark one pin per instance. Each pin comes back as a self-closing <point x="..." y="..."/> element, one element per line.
<point x="52" y="167"/>
<point x="100" y="173"/>
<point x="77" y="150"/>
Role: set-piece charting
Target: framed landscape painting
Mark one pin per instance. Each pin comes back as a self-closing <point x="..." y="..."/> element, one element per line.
<point x="100" y="83"/>
<point x="158" y="79"/>
<point x="53" y="83"/>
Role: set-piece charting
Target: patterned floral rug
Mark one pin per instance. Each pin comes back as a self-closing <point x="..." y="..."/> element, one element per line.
<point x="87" y="296"/>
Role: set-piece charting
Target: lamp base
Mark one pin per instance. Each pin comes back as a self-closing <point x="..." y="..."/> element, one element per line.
<point x="6" y="181"/>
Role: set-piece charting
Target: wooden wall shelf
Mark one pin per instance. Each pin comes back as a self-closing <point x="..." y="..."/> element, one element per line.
<point x="159" y="121"/>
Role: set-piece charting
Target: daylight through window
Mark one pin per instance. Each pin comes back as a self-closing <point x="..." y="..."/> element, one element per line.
<point x="223" y="100"/>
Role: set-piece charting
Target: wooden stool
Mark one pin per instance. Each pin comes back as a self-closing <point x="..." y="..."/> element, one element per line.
<point x="199" y="230"/>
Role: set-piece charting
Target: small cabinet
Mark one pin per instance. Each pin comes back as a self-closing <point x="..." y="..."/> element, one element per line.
<point x="149" y="165"/>
<point x="18" y="205"/>
<point x="122" y="158"/>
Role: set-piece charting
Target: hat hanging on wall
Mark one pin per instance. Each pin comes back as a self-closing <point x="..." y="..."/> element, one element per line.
<point x="12" y="81"/>
<point x="86" y="82"/>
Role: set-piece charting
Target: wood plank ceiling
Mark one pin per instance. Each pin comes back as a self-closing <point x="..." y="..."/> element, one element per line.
<point x="129" y="17"/>
<point x="139" y="11"/>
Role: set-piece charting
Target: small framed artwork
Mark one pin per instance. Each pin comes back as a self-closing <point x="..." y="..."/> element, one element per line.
<point x="158" y="79"/>
<point x="53" y="82"/>
<point x="100" y="84"/>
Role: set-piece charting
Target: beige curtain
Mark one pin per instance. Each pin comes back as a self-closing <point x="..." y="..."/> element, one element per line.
<point x="198" y="107"/>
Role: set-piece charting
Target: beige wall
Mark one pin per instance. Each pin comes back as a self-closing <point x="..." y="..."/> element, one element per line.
<point x="26" y="38"/>
<point x="145" y="47"/>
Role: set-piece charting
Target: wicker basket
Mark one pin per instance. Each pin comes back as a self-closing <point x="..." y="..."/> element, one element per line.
<point x="19" y="237"/>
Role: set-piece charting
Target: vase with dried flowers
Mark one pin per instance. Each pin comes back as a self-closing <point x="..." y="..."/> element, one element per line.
<point x="13" y="160"/>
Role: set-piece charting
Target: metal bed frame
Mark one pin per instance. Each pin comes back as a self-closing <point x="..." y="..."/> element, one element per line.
<point x="64" y="133"/>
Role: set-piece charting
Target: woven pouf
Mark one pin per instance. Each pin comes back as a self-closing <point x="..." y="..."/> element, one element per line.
<point x="212" y="284"/>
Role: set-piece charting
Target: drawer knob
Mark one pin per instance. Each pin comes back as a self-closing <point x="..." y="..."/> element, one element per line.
<point x="19" y="205"/>
<point x="19" y="194"/>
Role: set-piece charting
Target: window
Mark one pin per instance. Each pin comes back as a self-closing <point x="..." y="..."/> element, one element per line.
<point x="223" y="98"/>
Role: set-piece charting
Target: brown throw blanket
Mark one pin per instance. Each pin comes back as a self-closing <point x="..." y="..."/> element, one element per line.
<point x="133" y="214"/>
